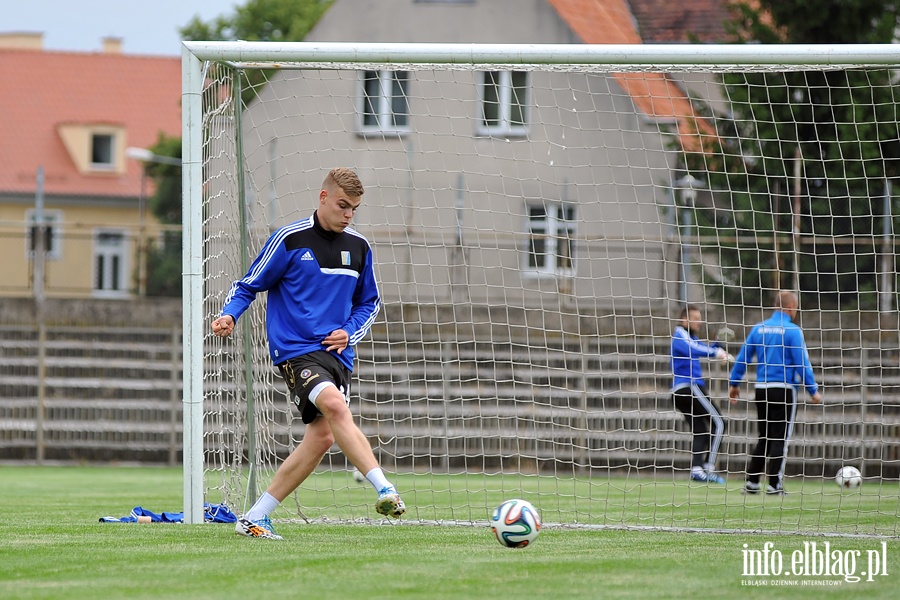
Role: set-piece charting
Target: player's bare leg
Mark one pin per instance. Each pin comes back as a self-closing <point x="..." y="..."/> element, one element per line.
<point x="317" y="439"/>
<point x="353" y="443"/>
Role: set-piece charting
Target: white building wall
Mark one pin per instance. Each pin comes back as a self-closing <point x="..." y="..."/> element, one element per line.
<point x="586" y="145"/>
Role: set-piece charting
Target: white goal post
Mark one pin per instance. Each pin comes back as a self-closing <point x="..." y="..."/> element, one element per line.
<point x="539" y="214"/>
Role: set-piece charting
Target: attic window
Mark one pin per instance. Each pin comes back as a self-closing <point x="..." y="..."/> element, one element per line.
<point x="102" y="151"/>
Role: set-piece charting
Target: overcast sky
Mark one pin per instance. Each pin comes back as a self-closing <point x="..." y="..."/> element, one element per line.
<point x="145" y="26"/>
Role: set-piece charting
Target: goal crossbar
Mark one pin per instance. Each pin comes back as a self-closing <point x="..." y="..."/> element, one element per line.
<point x="548" y="54"/>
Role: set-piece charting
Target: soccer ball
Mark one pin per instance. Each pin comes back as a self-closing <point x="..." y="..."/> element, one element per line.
<point x="848" y="477"/>
<point x="358" y="477"/>
<point x="516" y="523"/>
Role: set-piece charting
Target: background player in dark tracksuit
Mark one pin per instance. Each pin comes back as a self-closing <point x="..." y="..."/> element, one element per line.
<point x="690" y="396"/>
<point x="778" y="348"/>
<point x="322" y="300"/>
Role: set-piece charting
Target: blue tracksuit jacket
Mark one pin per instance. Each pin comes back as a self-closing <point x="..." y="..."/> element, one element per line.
<point x="317" y="281"/>
<point x="778" y="348"/>
<point x="687" y="350"/>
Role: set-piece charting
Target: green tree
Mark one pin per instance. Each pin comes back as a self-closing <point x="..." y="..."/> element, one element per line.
<point x="164" y="255"/>
<point x="255" y="20"/>
<point x="259" y="21"/>
<point x="840" y="127"/>
<point x="815" y="21"/>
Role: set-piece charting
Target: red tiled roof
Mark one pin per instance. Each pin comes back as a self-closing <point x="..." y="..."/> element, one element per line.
<point x="668" y="22"/>
<point x="655" y="94"/>
<point x="43" y="89"/>
<point x="599" y="21"/>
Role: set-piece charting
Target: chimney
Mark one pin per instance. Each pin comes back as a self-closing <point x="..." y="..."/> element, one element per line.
<point x="22" y="40"/>
<point x="112" y="45"/>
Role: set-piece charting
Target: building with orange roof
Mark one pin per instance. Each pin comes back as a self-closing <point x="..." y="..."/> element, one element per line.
<point x="595" y="157"/>
<point x="72" y="115"/>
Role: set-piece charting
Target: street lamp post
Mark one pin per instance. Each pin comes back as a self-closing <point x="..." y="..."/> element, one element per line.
<point x="144" y="156"/>
<point x="688" y="185"/>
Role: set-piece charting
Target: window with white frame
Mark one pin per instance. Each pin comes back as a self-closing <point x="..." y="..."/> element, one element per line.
<point x="384" y="101"/>
<point x="102" y="151"/>
<point x="504" y="103"/>
<point x="52" y="236"/>
<point x="110" y="274"/>
<point x="551" y="239"/>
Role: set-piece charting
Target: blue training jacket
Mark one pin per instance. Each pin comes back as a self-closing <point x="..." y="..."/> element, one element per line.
<point x="687" y="350"/>
<point x="318" y="281"/>
<point x="778" y="348"/>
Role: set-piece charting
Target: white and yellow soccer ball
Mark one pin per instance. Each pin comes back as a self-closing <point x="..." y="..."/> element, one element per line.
<point x="848" y="477"/>
<point x="516" y="523"/>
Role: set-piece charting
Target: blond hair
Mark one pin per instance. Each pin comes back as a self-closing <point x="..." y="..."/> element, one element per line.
<point x="345" y="179"/>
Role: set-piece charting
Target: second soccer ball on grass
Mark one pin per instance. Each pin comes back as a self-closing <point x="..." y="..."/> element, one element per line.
<point x="848" y="477"/>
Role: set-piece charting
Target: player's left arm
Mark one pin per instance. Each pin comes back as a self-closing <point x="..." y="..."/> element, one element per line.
<point x="366" y="304"/>
<point x="803" y="364"/>
<point x="713" y="350"/>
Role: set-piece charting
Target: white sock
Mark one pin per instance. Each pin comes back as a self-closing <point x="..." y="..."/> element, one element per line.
<point x="709" y="467"/>
<point x="263" y="507"/>
<point x="378" y="480"/>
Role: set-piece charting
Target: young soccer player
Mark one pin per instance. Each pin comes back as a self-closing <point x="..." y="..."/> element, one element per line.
<point x="322" y="300"/>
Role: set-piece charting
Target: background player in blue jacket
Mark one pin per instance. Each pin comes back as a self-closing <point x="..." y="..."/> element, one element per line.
<point x="777" y="347"/>
<point x="322" y="299"/>
<point x="691" y="397"/>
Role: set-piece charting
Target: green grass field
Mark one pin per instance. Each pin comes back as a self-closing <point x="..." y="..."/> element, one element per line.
<point x="54" y="546"/>
<point x="813" y="506"/>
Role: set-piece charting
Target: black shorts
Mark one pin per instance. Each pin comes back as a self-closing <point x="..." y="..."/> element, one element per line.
<point x="305" y="375"/>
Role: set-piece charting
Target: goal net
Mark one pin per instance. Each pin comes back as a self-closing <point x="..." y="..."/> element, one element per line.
<point x="539" y="216"/>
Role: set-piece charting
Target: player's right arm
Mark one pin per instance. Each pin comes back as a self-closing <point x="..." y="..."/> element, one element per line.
<point x="800" y="363"/>
<point x="746" y="354"/>
<point x="266" y="271"/>
<point x="223" y="326"/>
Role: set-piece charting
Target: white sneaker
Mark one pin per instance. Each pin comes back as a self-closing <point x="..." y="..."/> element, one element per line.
<point x="256" y="529"/>
<point x="775" y="490"/>
<point x="389" y="503"/>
